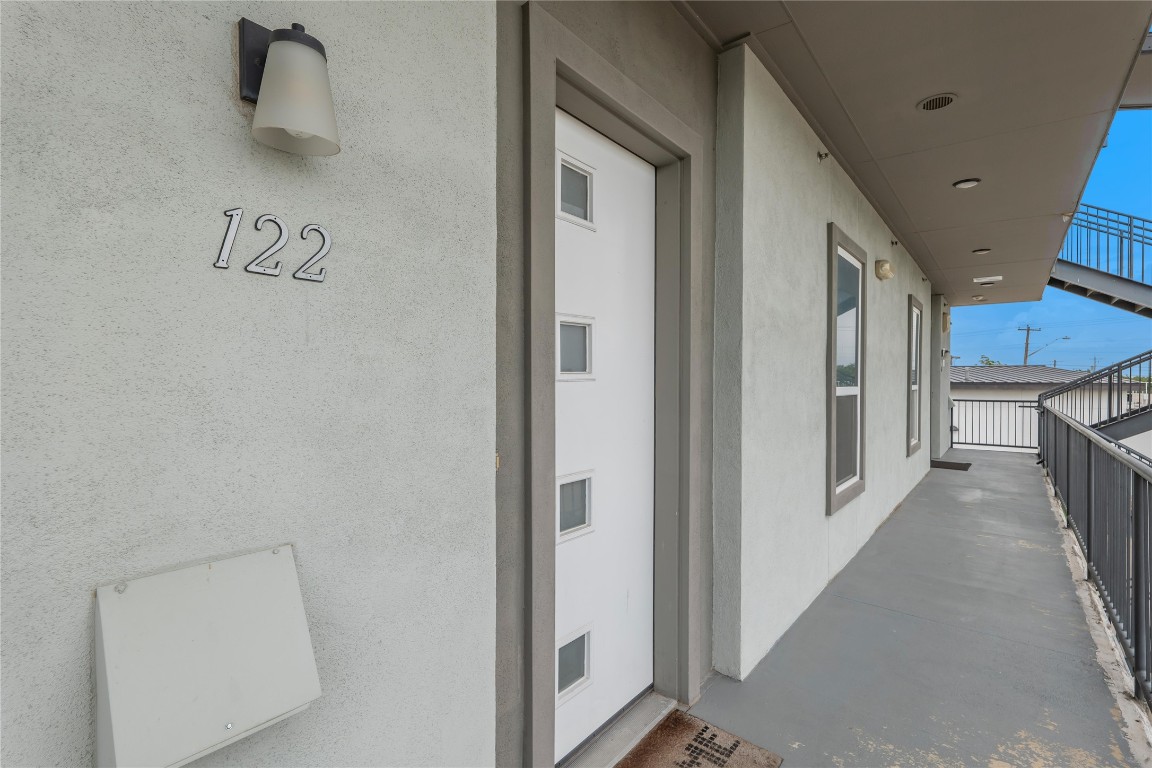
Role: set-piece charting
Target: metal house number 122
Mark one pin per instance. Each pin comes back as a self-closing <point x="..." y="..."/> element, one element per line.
<point x="256" y="265"/>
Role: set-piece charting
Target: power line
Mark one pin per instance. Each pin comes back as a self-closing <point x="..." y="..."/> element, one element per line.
<point x="1028" y="329"/>
<point x="1087" y="324"/>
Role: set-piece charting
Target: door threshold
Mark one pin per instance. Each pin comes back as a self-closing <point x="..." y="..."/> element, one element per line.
<point x="616" y="738"/>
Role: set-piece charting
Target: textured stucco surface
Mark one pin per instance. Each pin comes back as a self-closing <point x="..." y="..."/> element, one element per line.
<point x="157" y="410"/>
<point x="773" y="539"/>
<point x="939" y="365"/>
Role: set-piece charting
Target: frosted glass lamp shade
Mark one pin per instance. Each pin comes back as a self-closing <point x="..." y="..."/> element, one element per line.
<point x="294" y="112"/>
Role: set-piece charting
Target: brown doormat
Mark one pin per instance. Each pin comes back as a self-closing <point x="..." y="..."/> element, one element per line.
<point x="683" y="741"/>
<point x="963" y="466"/>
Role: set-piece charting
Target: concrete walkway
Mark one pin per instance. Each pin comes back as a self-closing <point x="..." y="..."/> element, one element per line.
<point x="954" y="637"/>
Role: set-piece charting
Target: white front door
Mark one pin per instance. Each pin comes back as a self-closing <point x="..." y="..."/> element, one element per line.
<point x="605" y="333"/>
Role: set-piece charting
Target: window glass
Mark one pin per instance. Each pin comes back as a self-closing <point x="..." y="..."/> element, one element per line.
<point x="573" y="348"/>
<point x="914" y="340"/>
<point x="573" y="192"/>
<point x="846" y="443"/>
<point x="915" y="347"/>
<point x="571" y="663"/>
<point x="848" y="288"/>
<point x="847" y="321"/>
<point x="574" y="504"/>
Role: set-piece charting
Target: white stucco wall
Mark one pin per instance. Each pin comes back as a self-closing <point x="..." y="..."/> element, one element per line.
<point x="157" y="410"/>
<point x="939" y="368"/>
<point x="775" y="548"/>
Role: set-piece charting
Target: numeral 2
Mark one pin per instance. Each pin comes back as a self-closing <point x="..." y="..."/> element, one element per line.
<point x="325" y="246"/>
<point x="236" y="214"/>
<point x="254" y="265"/>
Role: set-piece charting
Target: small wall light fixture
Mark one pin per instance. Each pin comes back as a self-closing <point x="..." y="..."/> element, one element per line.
<point x="965" y="183"/>
<point x="884" y="270"/>
<point x="284" y="72"/>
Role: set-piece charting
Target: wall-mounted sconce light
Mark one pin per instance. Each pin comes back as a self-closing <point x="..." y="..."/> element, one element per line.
<point x="284" y="72"/>
<point x="885" y="270"/>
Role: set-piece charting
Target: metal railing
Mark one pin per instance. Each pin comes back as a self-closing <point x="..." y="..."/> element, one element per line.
<point x="1106" y="396"/>
<point x="1111" y="242"/>
<point x="1107" y="498"/>
<point x="995" y="423"/>
<point x="1106" y="492"/>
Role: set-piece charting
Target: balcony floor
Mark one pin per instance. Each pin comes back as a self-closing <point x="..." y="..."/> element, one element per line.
<point x="955" y="637"/>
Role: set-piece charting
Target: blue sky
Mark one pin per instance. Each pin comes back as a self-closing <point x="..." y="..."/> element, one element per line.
<point x="1122" y="181"/>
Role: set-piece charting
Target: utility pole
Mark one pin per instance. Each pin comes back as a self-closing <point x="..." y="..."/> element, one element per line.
<point x="1028" y="329"/>
<point x="1093" y="363"/>
<point x="1053" y="363"/>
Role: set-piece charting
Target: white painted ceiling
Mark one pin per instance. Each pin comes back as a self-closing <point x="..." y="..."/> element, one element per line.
<point x="1037" y="86"/>
<point x="1138" y="94"/>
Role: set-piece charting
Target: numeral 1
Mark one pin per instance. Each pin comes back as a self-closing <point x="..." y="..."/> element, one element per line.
<point x="229" y="237"/>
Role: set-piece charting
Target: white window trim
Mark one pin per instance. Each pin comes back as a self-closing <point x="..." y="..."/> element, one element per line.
<point x="841" y="252"/>
<point x="569" y="693"/>
<point x="841" y="494"/>
<point x="588" y="527"/>
<point x="590" y="322"/>
<point x="915" y="360"/>
<point x="563" y="158"/>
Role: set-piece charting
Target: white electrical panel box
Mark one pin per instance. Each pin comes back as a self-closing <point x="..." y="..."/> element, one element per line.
<point x="193" y="659"/>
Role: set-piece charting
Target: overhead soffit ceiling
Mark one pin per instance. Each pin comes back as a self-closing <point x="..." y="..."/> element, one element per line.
<point x="1138" y="94"/>
<point x="1037" y="84"/>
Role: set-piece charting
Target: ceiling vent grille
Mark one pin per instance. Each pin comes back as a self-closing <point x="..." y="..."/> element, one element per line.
<point x="939" y="101"/>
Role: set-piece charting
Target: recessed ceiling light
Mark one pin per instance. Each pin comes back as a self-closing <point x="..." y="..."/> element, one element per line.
<point x="965" y="183"/>
<point x="981" y="251"/>
<point x="978" y="297"/>
<point x="988" y="280"/>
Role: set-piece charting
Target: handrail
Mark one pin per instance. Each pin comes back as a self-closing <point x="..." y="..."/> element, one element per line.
<point x="1117" y="243"/>
<point x="1129" y="457"/>
<point x="1113" y="222"/>
<point x="1132" y="362"/>
<point x="1120" y="391"/>
<point x="1105" y="490"/>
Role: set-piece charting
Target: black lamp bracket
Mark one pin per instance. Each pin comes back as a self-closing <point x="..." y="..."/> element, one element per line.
<point x="254" y="42"/>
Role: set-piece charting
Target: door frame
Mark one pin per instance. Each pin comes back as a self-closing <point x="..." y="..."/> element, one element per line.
<point x="560" y="70"/>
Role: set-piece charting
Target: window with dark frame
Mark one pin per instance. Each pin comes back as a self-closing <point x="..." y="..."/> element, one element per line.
<point x="915" y="372"/>
<point x="846" y="350"/>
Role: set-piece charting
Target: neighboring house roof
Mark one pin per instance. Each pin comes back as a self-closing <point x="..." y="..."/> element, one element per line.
<point x="1012" y="374"/>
